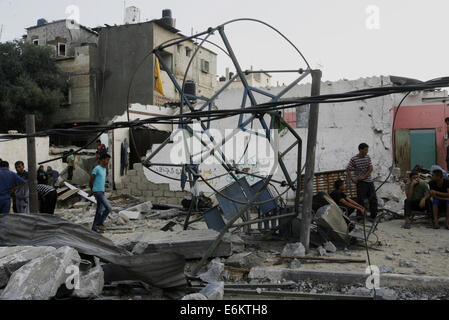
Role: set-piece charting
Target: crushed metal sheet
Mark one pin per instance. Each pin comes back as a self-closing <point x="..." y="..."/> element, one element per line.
<point x="163" y="270"/>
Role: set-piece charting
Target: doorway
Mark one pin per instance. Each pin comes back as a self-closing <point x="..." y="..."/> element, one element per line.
<point x="422" y="148"/>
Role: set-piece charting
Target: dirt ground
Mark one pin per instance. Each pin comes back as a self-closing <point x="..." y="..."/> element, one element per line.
<point x="424" y="250"/>
<point x="422" y="247"/>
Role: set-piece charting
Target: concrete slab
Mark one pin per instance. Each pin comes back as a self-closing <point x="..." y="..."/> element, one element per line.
<point x="192" y="244"/>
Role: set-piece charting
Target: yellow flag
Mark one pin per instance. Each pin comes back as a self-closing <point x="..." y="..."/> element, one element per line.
<point x="157" y="78"/>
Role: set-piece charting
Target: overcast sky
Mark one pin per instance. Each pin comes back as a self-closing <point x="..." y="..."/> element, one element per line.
<point x="346" y="39"/>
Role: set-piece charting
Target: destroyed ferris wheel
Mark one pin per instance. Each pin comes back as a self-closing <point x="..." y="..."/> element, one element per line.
<point x="235" y="199"/>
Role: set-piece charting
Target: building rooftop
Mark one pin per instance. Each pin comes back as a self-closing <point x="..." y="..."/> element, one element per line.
<point x="58" y="21"/>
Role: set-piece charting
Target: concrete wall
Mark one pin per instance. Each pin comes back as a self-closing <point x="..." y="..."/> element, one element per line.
<point x="52" y="33"/>
<point x="206" y="82"/>
<point x="82" y="99"/>
<point x="121" y="49"/>
<point x="118" y="136"/>
<point x="136" y="184"/>
<point x="79" y="63"/>
<point x="16" y="150"/>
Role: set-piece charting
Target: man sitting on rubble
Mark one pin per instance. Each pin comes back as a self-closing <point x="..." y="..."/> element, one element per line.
<point x="362" y="167"/>
<point x="418" y="198"/>
<point x="343" y="200"/>
<point x="439" y="191"/>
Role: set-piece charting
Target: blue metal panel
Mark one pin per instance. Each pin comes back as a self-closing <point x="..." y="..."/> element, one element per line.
<point x="234" y="191"/>
<point x="267" y="209"/>
<point x="214" y="220"/>
<point x="422" y="148"/>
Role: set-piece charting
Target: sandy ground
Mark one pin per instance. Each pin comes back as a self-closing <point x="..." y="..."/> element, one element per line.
<point x="397" y="244"/>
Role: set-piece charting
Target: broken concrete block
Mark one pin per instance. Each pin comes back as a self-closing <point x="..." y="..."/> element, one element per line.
<point x="120" y="221"/>
<point x="245" y="260"/>
<point x="330" y="247"/>
<point x="295" y="264"/>
<point x="386" y="294"/>
<point x="168" y="214"/>
<point x="361" y="291"/>
<point x="12" y="258"/>
<point x="405" y="264"/>
<point x="194" y="296"/>
<point x="143" y="207"/>
<point x="130" y="215"/>
<point x="419" y="271"/>
<point x="386" y="269"/>
<point x="91" y="283"/>
<point x="41" y="278"/>
<point x="214" y="291"/>
<point x="395" y="206"/>
<point x="214" y="271"/>
<point x="388" y="257"/>
<point x="294" y="250"/>
<point x="192" y="244"/>
<point x="81" y="205"/>
<point x="390" y="191"/>
<point x="321" y="251"/>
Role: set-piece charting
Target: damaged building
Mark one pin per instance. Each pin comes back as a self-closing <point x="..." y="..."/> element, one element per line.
<point x="188" y="229"/>
<point x="100" y="63"/>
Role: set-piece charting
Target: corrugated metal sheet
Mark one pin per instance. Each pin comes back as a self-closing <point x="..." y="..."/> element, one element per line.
<point x="162" y="270"/>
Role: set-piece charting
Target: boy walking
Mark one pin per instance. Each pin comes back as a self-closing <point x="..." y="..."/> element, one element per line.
<point x="97" y="185"/>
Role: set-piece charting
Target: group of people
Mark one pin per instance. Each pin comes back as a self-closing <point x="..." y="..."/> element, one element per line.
<point x="14" y="186"/>
<point x="432" y="197"/>
<point x="48" y="177"/>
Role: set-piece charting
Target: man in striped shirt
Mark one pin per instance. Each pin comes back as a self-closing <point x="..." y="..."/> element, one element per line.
<point x="362" y="167"/>
<point x="47" y="196"/>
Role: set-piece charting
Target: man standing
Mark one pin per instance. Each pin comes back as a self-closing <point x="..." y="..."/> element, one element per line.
<point x="418" y="198"/>
<point x="70" y="165"/>
<point x="21" y="196"/>
<point x="47" y="196"/>
<point x="97" y="185"/>
<point x="9" y="182"/>
<point x="439" y="191"/>
<point x="362" y="167"/>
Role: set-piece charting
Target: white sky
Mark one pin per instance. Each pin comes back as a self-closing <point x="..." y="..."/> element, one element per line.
<point x="411" y="39"/>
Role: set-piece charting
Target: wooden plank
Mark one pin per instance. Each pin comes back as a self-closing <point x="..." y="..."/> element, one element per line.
<point x="81" y="193"/>
<point x="62" y="190"/>
<point x="67" y="195"/>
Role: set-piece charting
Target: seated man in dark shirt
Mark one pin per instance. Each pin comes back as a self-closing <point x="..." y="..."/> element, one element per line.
<point x="418" y="198"/>
<point x="343" y="200"/>
<point x="439" y="191"/>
